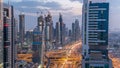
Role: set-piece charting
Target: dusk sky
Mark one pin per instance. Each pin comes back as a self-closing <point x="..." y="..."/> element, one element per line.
<point x="70" y="9"/>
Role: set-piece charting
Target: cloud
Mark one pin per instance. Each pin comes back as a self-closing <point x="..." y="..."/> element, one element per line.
<point x="64" y="5"/>
<point x="69" y="9"/>
<point x="12" y="1"/>
<point x="34" y="6"/>
<point x="77" y="0"/>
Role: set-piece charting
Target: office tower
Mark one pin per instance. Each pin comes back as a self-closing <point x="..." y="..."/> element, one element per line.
<point x="37" y="40"/>
<point x="14" y="30"/>
<point x="9" y="37"/>
<point x="63" y="34"/>
<point x="73" y="31"/>
<point x="62" y="25"/>
<point x="13" y="39"/>
<point x="77" y="30"/>
<point x="1" y="31"/>
<point x="95" y="35"/>
<point x="29" y="38"/>
<point x="40" y="23"/>
<point x="66" y="36"/>
<point x="37" y="46"/>
<point x="57" y="32"/>
<point x="70" y="35"/>
<point x="48" y="31"/>
<point x="21" y="29"/>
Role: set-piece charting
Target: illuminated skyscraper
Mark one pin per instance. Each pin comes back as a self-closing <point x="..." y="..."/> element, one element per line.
<point x="95" y="35"/>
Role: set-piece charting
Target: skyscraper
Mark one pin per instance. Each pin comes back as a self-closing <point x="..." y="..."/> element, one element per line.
<point x="70" y="35"/>
<point x="9" y="37"/>
<point x="73" y="31"/>
<point x="13" y="39"/>
<point x="37" y="46"/>
<point x="62" y="27"/>
<point x="41" y="23"/>
<point x="57" y="32"/>
<point x="37" y="40"/>
<point x="77" y="30"/>
<point x="95" y="35"/>
<point x="48" y="31"/>
<point x="21" y="29"/>
<point x="1" y="31"/>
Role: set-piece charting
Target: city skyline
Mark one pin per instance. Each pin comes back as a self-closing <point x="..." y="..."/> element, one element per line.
<point x="59" y="34"/>
<point x="70" y="9"/>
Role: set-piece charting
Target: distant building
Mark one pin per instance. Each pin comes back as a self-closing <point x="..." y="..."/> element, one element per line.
<point x="41" y="23"/>
<point x="95" y="35"/>
<point x="57" y="32"/>
<point x="75" y="31"/>
<point x="62" y="30"/>
<point x="70" y="35"/>
<point x="48" y="31"/>
<point x="21" y="29"/>
<point x="28" y="36"/>
<point x="37" y="46"/>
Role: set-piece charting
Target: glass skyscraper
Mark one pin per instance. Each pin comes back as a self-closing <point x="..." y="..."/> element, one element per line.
<point x="1" y="31"/>
<point x="95" y="35"/>
<point x="21" y="29"/>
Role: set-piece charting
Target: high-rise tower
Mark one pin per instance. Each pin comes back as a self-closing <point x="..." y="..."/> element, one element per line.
<point x="1" y="31"/>
<point x="62" y="28"/>
<point x="41" y="23"/>
<point x="48" y="31"/>
<point x="37" y="40"/>
<point x="9" y="37"/>
<point x="95" y="35"/>
<point x="21" y="29"/>
<point x="57" y="33"/>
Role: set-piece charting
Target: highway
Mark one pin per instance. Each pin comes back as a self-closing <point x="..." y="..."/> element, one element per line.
<point x="67" y="57"/>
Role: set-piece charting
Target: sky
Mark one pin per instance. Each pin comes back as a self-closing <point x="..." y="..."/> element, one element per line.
<point x="70" y="9"/>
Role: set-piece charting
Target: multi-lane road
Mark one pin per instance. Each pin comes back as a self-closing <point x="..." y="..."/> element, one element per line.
<point x="67" y="57"/>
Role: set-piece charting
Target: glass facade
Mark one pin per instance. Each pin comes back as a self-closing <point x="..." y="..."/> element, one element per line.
<point x="98" y="27"/>
<point x="1" y="30"/>
<point x="95" y="34"/>
<point x="37" y="46"/>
